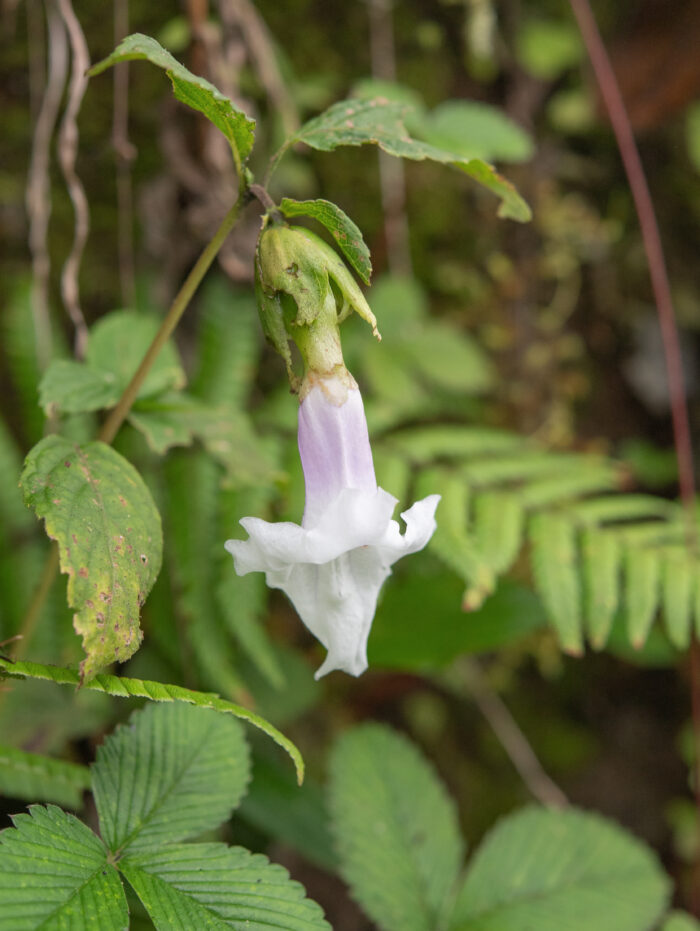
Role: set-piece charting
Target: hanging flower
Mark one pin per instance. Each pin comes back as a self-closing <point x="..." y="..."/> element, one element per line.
<point x="332" y="567"/>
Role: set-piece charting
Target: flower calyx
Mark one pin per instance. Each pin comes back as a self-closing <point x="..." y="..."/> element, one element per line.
<point x="304" y="292"/>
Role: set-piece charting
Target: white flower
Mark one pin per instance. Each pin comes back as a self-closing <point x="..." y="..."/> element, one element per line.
<point x="333" y="565"/>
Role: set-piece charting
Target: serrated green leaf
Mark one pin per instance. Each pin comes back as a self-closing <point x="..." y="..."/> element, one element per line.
<point x="54" y="875"/>
<point x="473" y="129"/>
<point x="184" y="769"/>
<point x="98" y="509"/>
<point x="167" y="421"/>
<point x="124" y="687"/>
<point x="550" y="870"/>
<point x="346" y="234"/>
<point x="452" y="541"/>
<point x="678" y="581"/>
<point x="37" y="777"/>
<point x="378" y="121"/>
<point x="555" y="568"/>
<point x="602" y="565"/>
<point x="73" y="387"/>
<point x="212" y="887"/>
<point x="396" y="829"/>
<point x="498" y="528"/>
<point x="116" y="346"/>
<point x="190" y="89"/>
<point x="642" y="592"/>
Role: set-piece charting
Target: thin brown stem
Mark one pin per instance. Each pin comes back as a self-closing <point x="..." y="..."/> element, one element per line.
<point x="67" y="155"/>
<point x="124" y="153"/>
<point x="33" y="613"/>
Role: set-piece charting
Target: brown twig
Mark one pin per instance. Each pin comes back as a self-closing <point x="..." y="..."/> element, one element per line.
<point x="67" y="154"/>
<point x="470" y="677"/>
<point x="622" y="128"/>
<point x="38" y="193"/>
<point x="125" y="154"/>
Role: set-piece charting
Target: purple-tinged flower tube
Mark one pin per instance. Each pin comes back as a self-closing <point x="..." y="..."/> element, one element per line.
<point x="332" y="567"/>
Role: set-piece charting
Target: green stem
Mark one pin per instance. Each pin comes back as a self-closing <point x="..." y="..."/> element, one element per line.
<point x="275" y="160"/>
<point x="111" y="426"/>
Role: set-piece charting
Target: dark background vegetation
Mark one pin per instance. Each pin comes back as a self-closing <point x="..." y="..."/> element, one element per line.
<point x="562" y="306"/>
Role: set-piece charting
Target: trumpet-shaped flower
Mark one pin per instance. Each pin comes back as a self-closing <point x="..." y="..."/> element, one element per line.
<point x="333" y="565"/>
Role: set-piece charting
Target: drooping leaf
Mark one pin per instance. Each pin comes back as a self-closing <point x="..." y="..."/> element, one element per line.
<point x="211" y="887"/>
<point x="642" y="591"/>
<point x="551" y="870"/>
<point x="555" y="566"/>
<point x="396" y="829"/>
<point x="54" y="874"/>
<point x="378" y="121"/>
<point x="190" y="89"/>
<point x="347" y="234"/>
<point x="98" y="509"/>
<point x="37" y="777"/>
<point x="124" y="687"/>
<point x="602" y="565"/>
<point x="183" y="769"/>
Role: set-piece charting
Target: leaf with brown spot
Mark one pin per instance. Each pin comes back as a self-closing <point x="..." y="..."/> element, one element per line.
<point x="105" y="503"/>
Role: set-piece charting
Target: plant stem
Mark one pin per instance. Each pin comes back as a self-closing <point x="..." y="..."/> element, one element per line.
<point x="119" y="414"/>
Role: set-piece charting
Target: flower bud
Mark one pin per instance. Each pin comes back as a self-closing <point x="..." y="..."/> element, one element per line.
<point x="304" y="292"/>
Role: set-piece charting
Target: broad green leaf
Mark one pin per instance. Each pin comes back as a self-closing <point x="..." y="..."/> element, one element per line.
<point x="472" y="129"/>
<point x="602" y="565"/>
<point x="680" y="921"/>
<point x="116" y="346"/>
<point x="642" y="591"/>
<point x="166" y="421"/>
<point x="378" y="121"/>
<point x="346" y="234"/>
<point x="34" y="776"/>
<point x="190" y="89"/>
<point x="55" y="875"/>
<point x="98" y="509"/>
<point x="212" y="887"/>
<point x="183" y="769"/>
<point x="124" y="687"/>
<point x="119" y="341"/>
<point x="678" y="581"/>
<point x="73" y="387"/>
<point x="396" y="829"/>
<point x="554" y="870"/>
<point x="555" y="566"/>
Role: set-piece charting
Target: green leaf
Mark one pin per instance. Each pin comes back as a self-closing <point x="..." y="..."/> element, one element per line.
<point x="124" y="687"/>
<point x="602" y="564"/>
<point x="211" y="887"/>
<point x="184" y="769"/>
<point x="642" y="592"/>
<point x="346" y="234"/>
<point x="34" y="776"/>
<point x="548" y="47"/>
<point x="555" y="567"/>
<point x="190" y="89"/>
<point x="396" y="829"/>
<point x="423" y="444"/>
<point x="54" y="874"/>
<point x="378" y="121"/>
<point x="472" y="129"/>
<point x="678" y="582"/>
<point x="116" y="346"/>
<point x="550" y="870"/>
<point x="167" y="421"/>
<point x="98" y="509"/>
<point x="498" y="528"/>
<point x="680" y="921"/>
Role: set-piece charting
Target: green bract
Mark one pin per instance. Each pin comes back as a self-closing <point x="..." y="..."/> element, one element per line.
<point x="304" y="292"/>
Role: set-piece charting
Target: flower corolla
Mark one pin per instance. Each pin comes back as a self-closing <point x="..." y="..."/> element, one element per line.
<point x="333" y="565"/>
